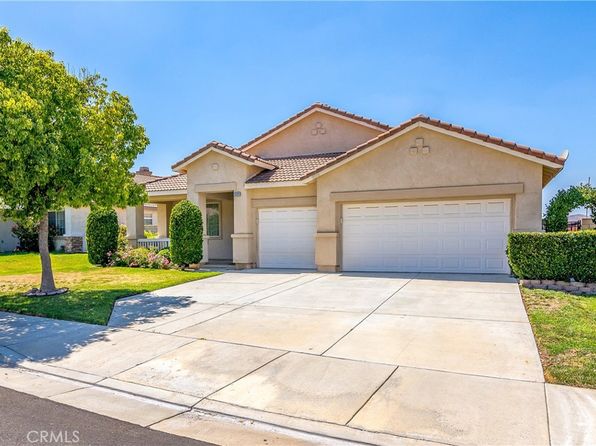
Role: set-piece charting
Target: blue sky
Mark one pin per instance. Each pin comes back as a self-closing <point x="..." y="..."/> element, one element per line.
<point x="228" y="71"/>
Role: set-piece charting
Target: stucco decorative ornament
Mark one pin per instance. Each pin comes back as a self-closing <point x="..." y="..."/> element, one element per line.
<point x="419" y="147"/>
<point x="215" y="166"/>
<point x="318" y="129"/>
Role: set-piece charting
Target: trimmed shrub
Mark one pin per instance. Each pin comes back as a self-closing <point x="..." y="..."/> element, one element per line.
<point x="102" y="235"/>
<point x="28" y="236"/>
<point x="122" y="237"/>
<point x="186" y="234"/>
<point x="553" y="255"/>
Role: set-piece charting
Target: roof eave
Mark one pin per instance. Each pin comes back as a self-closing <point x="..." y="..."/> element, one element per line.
<point x="275" y="184"/>
<point x="180" y="166"/>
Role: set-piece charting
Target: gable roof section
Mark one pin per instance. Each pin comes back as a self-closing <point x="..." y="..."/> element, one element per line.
<point x="292" y="168"/>
<point x="224" y="149"/>
<point x="317" y="106"/>
<point x="171" y="183"/>
<point x="549" y="160"/>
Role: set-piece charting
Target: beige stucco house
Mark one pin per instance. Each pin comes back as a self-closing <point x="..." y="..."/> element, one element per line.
<point x="335" y="191"/>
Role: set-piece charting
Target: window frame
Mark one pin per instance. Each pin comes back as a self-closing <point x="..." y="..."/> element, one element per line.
<point x="145" y="220"/>
<point x="55" y="225"/>
<point x="219" y="210"/>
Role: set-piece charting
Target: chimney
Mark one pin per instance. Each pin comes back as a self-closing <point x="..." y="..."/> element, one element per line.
<point x="144" y="170"/>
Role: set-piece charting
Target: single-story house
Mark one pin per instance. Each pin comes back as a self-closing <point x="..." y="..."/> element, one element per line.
<point x="335" y="191"/>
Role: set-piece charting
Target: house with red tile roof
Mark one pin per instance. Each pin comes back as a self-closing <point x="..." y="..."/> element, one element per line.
<point x="331" y="190"/>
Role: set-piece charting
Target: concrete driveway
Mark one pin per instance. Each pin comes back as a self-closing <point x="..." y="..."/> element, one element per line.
<point x="308" y="358"/>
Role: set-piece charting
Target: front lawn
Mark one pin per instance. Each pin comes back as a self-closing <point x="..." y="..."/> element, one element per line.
<point x="565" y="329"/>
<point x="93" y="289"/>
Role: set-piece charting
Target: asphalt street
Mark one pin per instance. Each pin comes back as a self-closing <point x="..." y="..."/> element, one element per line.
<point x="28" y="420"/>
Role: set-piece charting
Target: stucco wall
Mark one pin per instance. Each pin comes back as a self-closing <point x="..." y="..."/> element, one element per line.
<point x="317" y="133"/>
<point x="8" y="242"/>
<point x="221" y="173"/>
<point x="451" y="162"/>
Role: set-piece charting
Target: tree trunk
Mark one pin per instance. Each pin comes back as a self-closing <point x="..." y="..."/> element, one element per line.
<point x="47" y="276"/>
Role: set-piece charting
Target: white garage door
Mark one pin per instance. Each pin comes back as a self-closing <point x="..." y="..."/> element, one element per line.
<point x="287" y="237"/>
<point x="445" y="236"/>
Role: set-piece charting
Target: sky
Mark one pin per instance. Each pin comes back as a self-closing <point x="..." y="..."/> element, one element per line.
<point x="197" y="72"/>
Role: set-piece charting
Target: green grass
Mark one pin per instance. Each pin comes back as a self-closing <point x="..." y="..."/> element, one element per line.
<point x="565" y="329"/>
<point x="93" y="289"/>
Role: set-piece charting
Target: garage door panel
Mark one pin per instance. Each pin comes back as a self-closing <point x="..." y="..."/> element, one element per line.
<point x="462" y="236"/>
<point x="287" y="237"/>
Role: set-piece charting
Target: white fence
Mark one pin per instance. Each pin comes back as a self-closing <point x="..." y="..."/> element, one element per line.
<point x="158" y="243"/>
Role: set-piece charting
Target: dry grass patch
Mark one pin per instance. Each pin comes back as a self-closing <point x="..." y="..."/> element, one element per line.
<point x="565" y="329"/>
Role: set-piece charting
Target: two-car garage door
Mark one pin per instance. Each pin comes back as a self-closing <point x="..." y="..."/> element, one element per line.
<point x="443" y="236"/>
<point x="465" y="236"/>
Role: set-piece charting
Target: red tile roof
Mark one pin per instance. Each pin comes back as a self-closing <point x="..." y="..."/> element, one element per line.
<point x="317" y="105"/>
<point x="174" y="182"/>
<point x="225" y="148"/>
<point x="293" y="168"/>
<point x="300" y="167"/>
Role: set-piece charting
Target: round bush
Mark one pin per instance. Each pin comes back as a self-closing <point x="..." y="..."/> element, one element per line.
<point x="186" y="234"/>
<point x="102" y="235"/>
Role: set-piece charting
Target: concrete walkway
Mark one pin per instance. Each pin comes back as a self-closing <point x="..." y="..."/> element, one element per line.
<point x="309" y="358"/>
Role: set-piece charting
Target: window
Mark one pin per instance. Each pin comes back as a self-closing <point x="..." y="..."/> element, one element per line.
<point x="57" y="221"/>
<point x="214" y="219"/>
<point x="148" y="218"/>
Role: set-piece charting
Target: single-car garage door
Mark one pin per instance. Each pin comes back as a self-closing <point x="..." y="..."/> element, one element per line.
<point x="467" y="236"/>
<point x="287" y="237"/>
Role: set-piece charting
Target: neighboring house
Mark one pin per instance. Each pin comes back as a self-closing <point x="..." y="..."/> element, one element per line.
<point x="71" y="223"/>
<point x="335" y="191"/>
<point x="577" y="222"/>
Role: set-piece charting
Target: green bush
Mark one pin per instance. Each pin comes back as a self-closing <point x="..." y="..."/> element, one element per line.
<point x="166" y="253"/>
<point x="553" y="255"/>
<point x="186" y="233"/>
<point x="122" y="237"/>
<point x="139" y="258"/>
<point x="565" y="201"/>
<point x="102" y="235"/>
<point x="28" y="236"/>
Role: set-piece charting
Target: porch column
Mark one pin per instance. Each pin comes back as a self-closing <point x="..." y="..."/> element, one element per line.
<point x="327" y="246"/>
<point x="163" y="219"/>
<point x="135" y="224"/>
<point x="243" y="239"/>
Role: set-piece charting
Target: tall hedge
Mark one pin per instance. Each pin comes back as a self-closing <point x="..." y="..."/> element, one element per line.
<point x="553" y="255"/>
<point x="186" y="233"/>
<point x="102" y="235"/>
